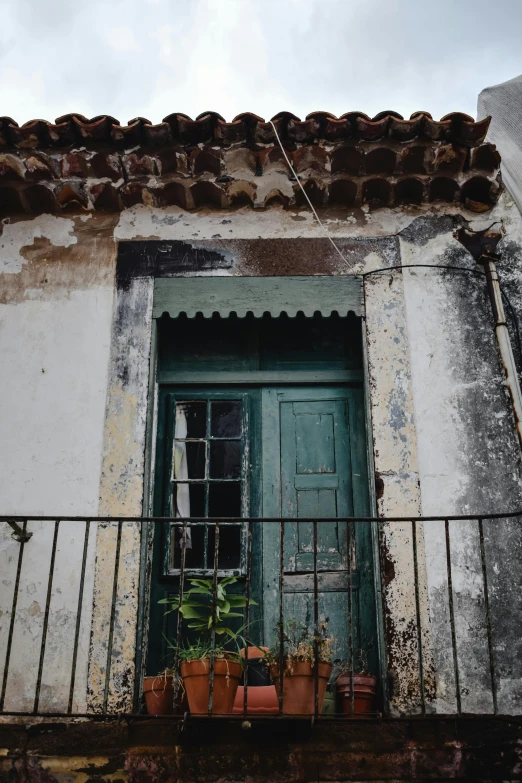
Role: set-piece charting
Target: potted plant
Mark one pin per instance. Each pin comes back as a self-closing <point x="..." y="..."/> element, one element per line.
<point x="159" y="694"/>
<point x="358" y="687"/>
<point x="211" y="619"/>
<point x="261" y="693"/>
<point x="305" y="654"/>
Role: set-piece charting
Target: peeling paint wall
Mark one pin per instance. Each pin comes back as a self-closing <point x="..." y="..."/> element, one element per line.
<point x="161" y="751"/>
<point x="56" y="289"/>
<point x="74" y="408"/>
<point x="469" y="461"/>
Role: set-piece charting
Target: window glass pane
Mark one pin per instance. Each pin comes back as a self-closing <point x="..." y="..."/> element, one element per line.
<point x="225" y="459"/>
<point x="191" y="420"/>
<point x="229" y="555"/>
<point x="188" y="500"/>
<point x="189" y="460"/>
<point x="195" y="555"/>
<point x="225" y="419"/>
<point x="224" y="500"/>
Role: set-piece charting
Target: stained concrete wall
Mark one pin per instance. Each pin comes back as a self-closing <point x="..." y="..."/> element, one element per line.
<point x="443" y="437"/>
<point x="139" y="751"/>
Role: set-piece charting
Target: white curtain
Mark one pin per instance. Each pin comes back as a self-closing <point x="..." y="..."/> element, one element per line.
<point x="180" y="472"/>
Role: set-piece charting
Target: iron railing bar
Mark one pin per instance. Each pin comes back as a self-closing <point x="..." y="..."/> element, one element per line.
<point x="12" y="620"/>
<point x="208" y="437"/>
<point x="112" y="617"/>
<point x="488" y="617"/>
<point x="207" y="485"/>
<point x="177" y="674"/>
<point x="247" y="613"/>
<point x="46" y="618"/>
<point x="419" y="518"/>
<point x="316" y="625"/>
<point x="456" y="518"/>
<point x="19" y="534"/>
<point x="281" y="612"/>
<point x="213" y="632"/>
<point x="78" y="616"/>
<point x="418" y="615"/>
<point x="385" y="683"/>
<point x="205" y="480"/>
<point x="452" y="616"/>
<point x="350" y="536"/>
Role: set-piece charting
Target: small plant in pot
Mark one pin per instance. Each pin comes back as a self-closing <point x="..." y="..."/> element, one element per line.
<point x="211" y="619"/>
<point x="306" y="655"/>
<point x="355" y="689"/>
<point x="158" y="692"/>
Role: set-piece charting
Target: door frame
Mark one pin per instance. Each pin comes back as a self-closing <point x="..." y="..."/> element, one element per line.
<point x="147" y="538"/>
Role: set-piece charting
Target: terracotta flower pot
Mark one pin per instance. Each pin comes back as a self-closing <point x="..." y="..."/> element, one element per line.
<point x="254" y="652"/>
<point x="364" y="689"/>
<point x="159" y="694"/>
<point x="299" y="686"/>
<point x="196" y="679"/>
<point x="261" y="700"/>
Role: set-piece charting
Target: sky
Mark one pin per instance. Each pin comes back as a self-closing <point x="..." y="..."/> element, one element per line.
<point x="150" y="58"/>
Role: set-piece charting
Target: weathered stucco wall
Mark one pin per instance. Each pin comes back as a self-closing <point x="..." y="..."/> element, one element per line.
<point x="443" y="437"/>
<point x="56" y="289"/>
<point x="159" y="751"/>
<point x="469" y="461"/>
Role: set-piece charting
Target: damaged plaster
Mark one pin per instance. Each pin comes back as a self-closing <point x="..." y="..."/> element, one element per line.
<point x="79" y="406"/>
<point x="15" y="236"/>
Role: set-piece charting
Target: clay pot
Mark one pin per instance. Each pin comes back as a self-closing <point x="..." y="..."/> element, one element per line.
<point x="261" y="700"/>
<point x="254" y="652"/>
<point x="299" y="686"/>
<point x="364" y="688"/>
<point x="196" y="679"/>
<point x="159" y="694"/>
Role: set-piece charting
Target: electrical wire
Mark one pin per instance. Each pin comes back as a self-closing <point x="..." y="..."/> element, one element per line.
<point x="424" y="266"/>
<point x="306" y="194"/>
<point x="477" y="273"/>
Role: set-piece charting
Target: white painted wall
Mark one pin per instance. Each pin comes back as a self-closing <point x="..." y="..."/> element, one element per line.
<point x="53" y="430"/>
<point x="54" y="355"/>
<point x="469" y="463"/>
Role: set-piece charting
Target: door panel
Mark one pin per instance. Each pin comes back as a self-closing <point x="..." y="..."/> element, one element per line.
<point x="316" y="481"/>
<point x="314" y="466"/>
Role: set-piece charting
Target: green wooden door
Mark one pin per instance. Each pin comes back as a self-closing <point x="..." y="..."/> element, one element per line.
<point x="303" y="456"/>
<point x="314" y="467"/>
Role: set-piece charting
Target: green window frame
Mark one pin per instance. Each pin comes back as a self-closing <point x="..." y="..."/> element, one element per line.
<point x="166" y="482"/>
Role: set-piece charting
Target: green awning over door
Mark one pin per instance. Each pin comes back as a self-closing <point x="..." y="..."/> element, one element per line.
<point x="257" y="295"/>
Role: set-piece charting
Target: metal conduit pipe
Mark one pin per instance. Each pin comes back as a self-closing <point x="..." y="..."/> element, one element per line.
<point x="504" y="341"/>
<point x="482" y="246"/>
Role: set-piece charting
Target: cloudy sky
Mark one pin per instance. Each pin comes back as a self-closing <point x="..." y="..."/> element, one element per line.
<point x="150" y="58"/>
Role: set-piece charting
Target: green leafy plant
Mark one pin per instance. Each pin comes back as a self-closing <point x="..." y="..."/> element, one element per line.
<point x="206" y="615"/>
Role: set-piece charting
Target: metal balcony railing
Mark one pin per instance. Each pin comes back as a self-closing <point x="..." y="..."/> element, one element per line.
<point x="446" y="588"/>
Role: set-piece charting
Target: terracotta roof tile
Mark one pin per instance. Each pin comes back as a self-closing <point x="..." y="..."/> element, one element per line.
<point x="104" y="129"/>
<point x="386" y="160"/>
